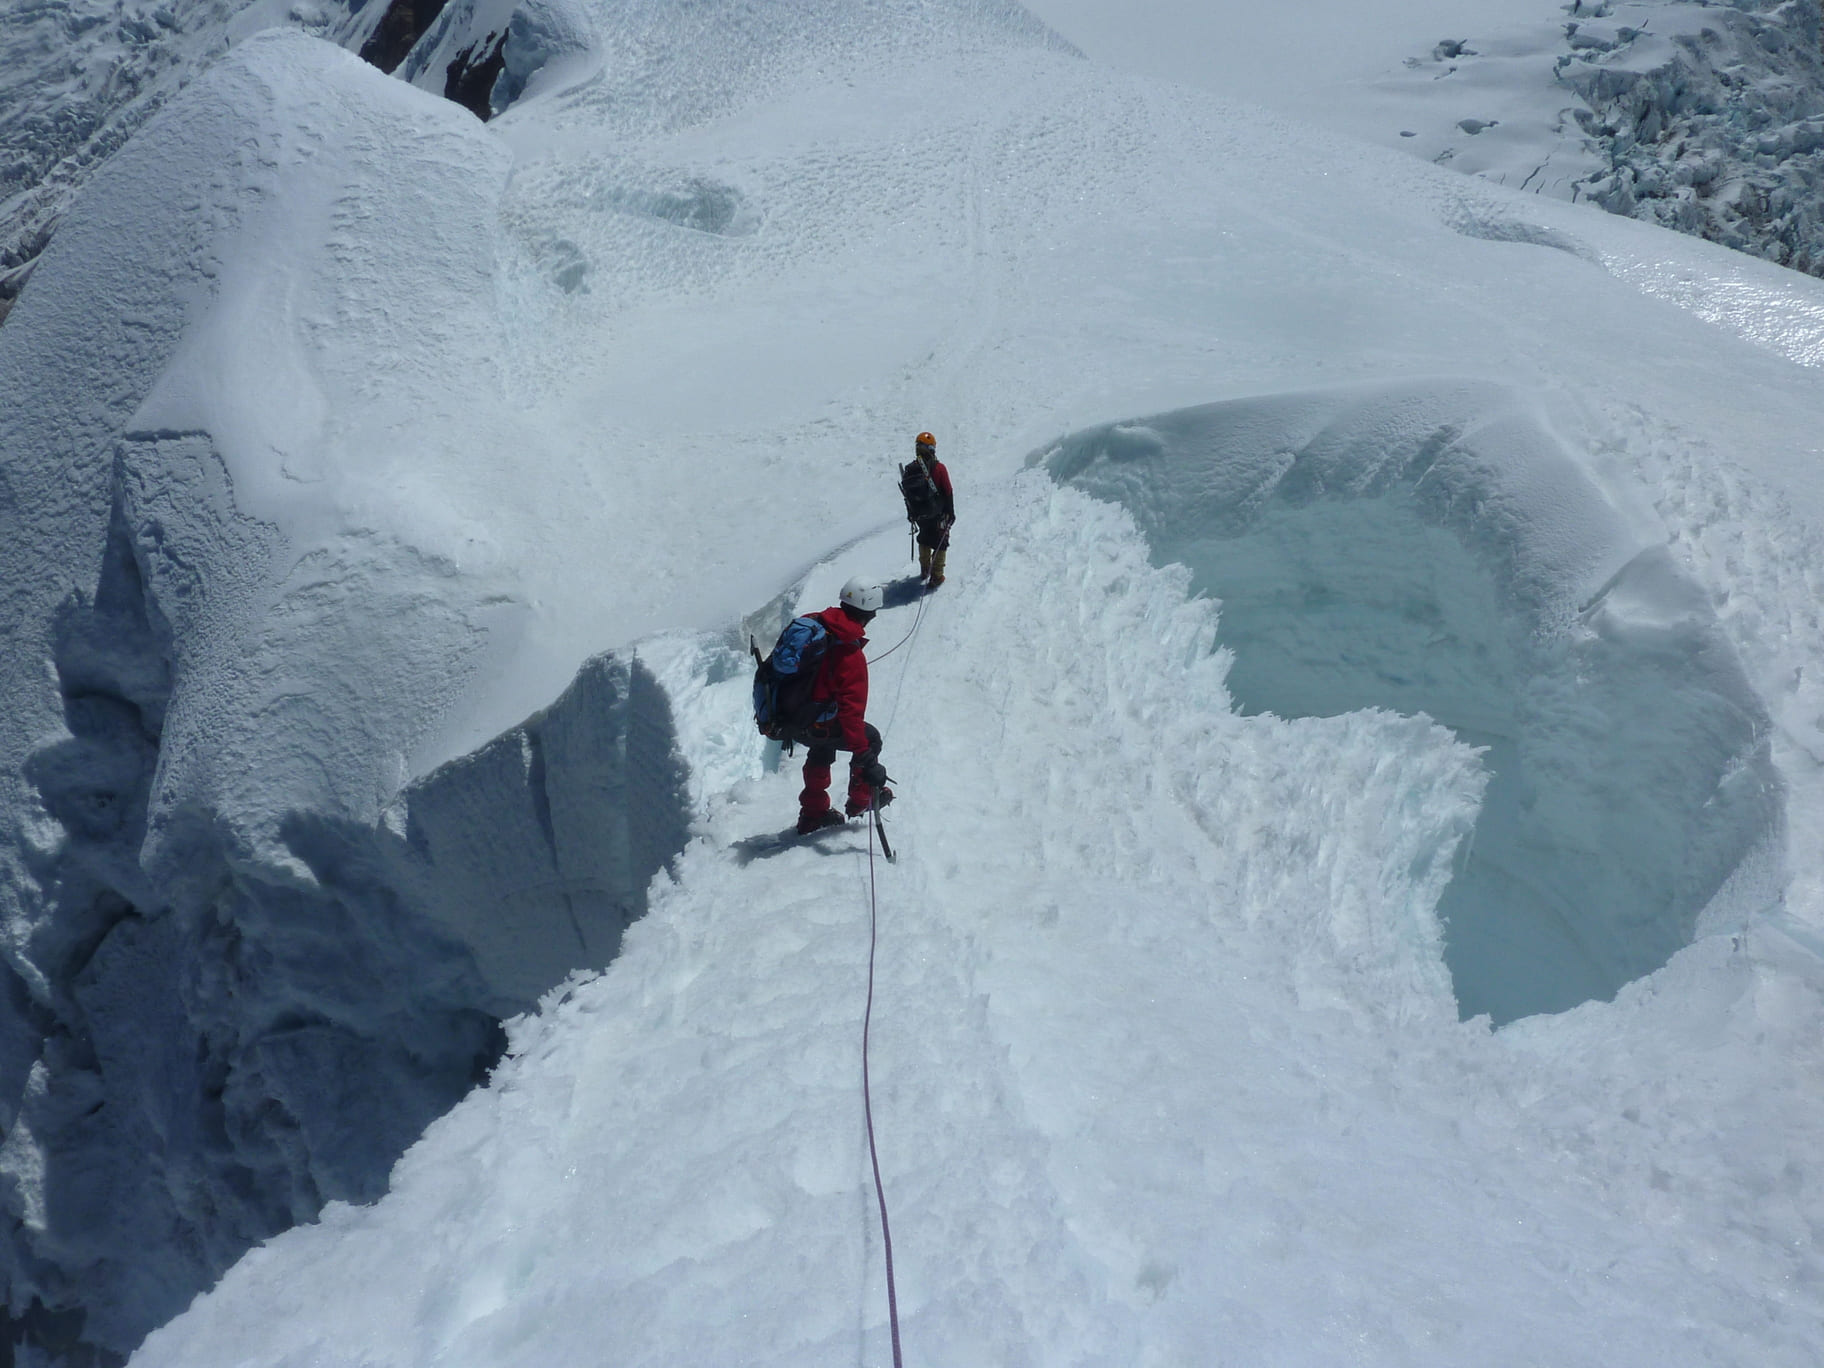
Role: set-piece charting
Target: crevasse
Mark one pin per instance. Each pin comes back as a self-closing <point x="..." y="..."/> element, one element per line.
<point x="1430" y="547"/>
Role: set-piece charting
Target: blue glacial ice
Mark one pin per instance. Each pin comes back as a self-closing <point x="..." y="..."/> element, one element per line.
<point x="1431" y="548"/>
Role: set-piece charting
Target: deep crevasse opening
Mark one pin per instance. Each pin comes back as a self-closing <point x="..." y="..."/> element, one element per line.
<point x="1431" y="548"/>
<point x="233" y="1034"/>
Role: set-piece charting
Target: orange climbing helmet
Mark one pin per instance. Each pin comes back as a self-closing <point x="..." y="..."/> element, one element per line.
<point x="925" y="442"/>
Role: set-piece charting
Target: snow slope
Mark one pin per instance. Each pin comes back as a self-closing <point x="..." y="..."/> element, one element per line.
<point x="315" y="551"/>
<point x="1702" y="116"/>
<point x="1166" y="1067"/>
<point x="79" y="77"/>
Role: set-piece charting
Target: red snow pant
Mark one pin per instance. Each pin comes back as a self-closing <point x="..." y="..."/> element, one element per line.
<point x="864" y="773"/>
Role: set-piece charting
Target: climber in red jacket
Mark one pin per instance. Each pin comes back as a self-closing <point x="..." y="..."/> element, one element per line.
<point x="843" y="677"/>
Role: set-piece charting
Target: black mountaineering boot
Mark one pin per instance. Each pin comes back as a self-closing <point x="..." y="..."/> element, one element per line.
<point x="809" y="822"/>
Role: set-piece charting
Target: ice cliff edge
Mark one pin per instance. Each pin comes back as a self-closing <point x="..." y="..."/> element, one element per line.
<point x="251" y="945"/>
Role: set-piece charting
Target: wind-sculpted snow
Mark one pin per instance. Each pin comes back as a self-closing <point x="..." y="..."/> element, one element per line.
<point x="228" y="1041"/>
<point x="1432" y="549"/>
<point x="228" y="1044"/>
<point x="362" y="431"/>
<point x="79" y="77"/>
<point x="245" y="968"/>
<point x="203" y="379"/>
<point x="170" y="388"/>
<point x="637" y="63"/>
<point x="1164" y="1058"/>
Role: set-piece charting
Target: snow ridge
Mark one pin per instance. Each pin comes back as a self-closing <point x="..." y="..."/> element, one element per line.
<point x="1168" y="1064"/>
<point x="734" y="1008"/>
<point x="79" y="77"/>
<point x="417" y="416"/>
<point x="248" y="964"/>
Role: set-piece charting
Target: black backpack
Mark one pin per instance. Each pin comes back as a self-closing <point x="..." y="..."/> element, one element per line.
<point x="783" y="707"/>
<point x="923" y="503"/>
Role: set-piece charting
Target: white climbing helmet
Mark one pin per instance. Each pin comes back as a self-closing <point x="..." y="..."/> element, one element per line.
<point x="863" y="595"/>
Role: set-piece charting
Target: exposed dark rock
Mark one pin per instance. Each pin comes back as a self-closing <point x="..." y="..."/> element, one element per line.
<point x="469" y="79"/>
<point x="405" y="22"/>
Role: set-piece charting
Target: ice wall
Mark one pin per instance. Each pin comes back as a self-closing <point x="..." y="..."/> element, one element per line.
<point x="211" y="1043"/>
<point x="248" y="955"/>
<point x="1431" y="548"/>
<point x="227" y="1043"/>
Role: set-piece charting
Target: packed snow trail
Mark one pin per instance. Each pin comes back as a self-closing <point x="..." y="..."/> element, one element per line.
<point x="1166" y="1064"/>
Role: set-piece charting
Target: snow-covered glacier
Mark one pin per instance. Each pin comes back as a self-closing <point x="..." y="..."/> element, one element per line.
<point x="1702" y="115"/>
<point x="1426" y="641"/>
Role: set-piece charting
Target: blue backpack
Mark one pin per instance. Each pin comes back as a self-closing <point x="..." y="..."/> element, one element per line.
<point x="783" y="707"/>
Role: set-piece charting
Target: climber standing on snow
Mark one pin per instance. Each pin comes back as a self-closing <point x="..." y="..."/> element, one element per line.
<point x="842" y="678"/>
<point x="930" y="507"/>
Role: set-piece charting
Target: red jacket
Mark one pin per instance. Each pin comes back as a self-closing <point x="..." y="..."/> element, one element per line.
<point x="843" y="676"/>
